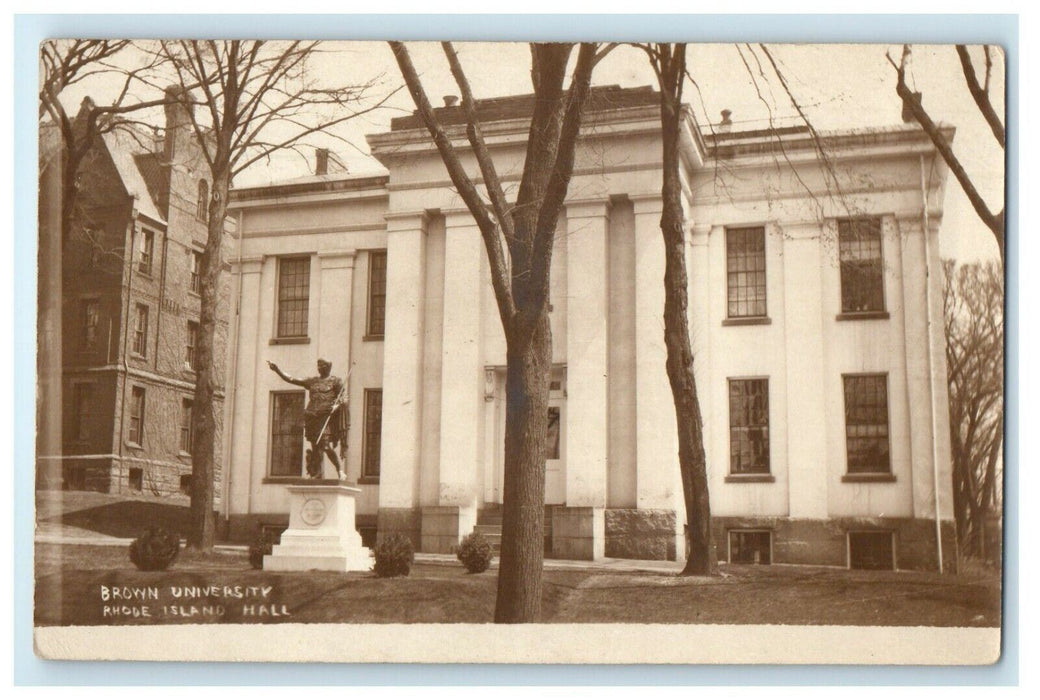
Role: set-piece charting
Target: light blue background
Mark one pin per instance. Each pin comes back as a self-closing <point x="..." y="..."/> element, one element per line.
<point x="31" y="29"/>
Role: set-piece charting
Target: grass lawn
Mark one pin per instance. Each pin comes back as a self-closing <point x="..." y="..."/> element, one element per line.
<point x="69" y="581"/>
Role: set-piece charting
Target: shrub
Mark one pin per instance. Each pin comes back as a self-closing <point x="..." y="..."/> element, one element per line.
<point x="475" y="553"/>
<point x="263" y="544"/>
<point x="394" y="556"/>
<point x="155" y="549"/>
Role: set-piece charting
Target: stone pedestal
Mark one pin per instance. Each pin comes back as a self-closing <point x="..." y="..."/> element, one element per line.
<point x="321" y="533"/>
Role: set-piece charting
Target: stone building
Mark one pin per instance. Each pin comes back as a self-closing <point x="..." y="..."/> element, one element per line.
<point x="130" y="309"/>
<point x="815" y="314"/>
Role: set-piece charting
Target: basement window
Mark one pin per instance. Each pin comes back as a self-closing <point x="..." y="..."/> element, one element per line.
<point x="135" y="479"/>
<point x="872" y="550"/>
<point x="750" y="547"/>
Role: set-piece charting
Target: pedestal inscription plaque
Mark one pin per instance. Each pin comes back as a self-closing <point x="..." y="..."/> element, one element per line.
<point x="321" y="534"/>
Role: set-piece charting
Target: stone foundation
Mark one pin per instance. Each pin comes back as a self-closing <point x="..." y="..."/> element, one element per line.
<point x="825" y="542"/>
<point x="633" y="533"/>
<point x="443" y="527"/>
<point x="577" y="533"/>
<point x="402" y="521"/>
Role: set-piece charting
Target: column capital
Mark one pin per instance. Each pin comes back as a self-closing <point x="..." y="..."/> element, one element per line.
<point x="248" y="265"/>
<point x="335" y="259"/>
<point x="646" y="203"/>
<point x="407" y="221"/>
<point x="459" y="218"/>
<point x="587" y="208"/>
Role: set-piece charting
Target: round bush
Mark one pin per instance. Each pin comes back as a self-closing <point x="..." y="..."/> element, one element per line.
<point x="394" y="556"/>
<point x="262" y="545"/>
<point x="475" y="553"/>
<point x="155" y="549"/>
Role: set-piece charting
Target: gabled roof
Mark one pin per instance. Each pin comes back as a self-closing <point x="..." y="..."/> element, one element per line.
<point x="137" y="166"/>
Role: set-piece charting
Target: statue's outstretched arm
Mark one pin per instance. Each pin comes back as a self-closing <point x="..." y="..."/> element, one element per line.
<point x="285" y="377"/>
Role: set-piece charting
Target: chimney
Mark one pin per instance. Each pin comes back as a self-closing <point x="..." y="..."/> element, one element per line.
<point x="726" y="125"/>
<point x="179" y="112"/>
<point x="451" y="100"/>
<point x="321" y="161"/>
<point x="908" y="115"/>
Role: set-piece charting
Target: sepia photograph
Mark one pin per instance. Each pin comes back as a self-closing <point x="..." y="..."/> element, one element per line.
<point x="564" y="352"/>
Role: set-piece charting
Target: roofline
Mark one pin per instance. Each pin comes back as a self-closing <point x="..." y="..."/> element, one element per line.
<point x="345" y="183"/>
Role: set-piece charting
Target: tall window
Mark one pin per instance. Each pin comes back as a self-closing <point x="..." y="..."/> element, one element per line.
<point x="146" y="246"/>
<point x="192" y="343"/>
<point x="286" y="433"/>
<point x="136" y="435"/>
<point x="194" y="265"/>
<point x="373" y="430"/>
<point x="749" y="426"/>
<point x="859" y="252"/>
<point x="83" y="396"/>
<point x="186" y="426"/>
<point x="141" y="330"/>
<point x="376" y="293"/>
<point x="294" y="288"/>
<point x="746" y="272"/>
<point x="90" y="323"/>
<point x="866" y="423"/>
<point x="202" y="208"/>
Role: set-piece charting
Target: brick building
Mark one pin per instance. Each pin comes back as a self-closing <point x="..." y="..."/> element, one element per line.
<point x="130" y="309"/>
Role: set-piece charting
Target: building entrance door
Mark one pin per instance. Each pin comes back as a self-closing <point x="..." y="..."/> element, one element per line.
<point x="556" y="438"/>
<point x="555" y="485"/>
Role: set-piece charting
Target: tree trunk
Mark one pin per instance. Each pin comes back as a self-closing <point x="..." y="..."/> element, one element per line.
<point x="679" y="363"/>
<point x="529" y="364"/>
<point x="204" y="409"/>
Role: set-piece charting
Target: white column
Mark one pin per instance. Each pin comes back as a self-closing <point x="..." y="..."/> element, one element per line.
<point x="462" y="377"/>
<point x="336" y="288"/>
<point x="805" y="418"/>
<point x="248" y="364"/>
<point x="657" y="443"/>
<point x="402" y="360"/>
<point x="586" y="431"/>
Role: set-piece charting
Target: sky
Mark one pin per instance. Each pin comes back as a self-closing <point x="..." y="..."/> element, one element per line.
<point x="838" y="86"/>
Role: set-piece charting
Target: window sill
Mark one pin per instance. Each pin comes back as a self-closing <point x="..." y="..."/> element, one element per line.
<point x="290" y="341"/>
<point x="134" y="445"/>
<point x="748" y="321"/>
<point x="750" y="478"/>
<point x="137" y="356"/>
<point x="144" y="273"/>
<point x="861" y="316"/>
<point x="368" y="480"/>
<point x="372" y="338"/>
<point x="868" y="478"/>
<point x="184" y="455"/>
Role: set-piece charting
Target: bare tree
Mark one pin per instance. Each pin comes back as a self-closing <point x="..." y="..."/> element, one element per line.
<point x="520" y="278"/>
<point x="973" y="304"/>
<point x="254" y="98"/>
<point x="66" y="63"/>
<point x="912" y="102"/>
<point x="669" y="64"/>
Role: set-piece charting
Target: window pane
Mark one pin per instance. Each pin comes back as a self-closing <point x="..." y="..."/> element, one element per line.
<point x="862" y="279"/>
<point x="287" y="433"/>
<point x="866" y="423"/>
<point x="745" y="271"/>
<point x="294" y="284"/>
<point x="749" y="547"/>
<point x="141" y="331"/>
<point x="136" y="434"/>
<point x="186" y="425"/>
<point x="749" y="426"/>
<point x="377" y="293"/>
<point x="373" y="430"/>
<point x="553" y="434"/>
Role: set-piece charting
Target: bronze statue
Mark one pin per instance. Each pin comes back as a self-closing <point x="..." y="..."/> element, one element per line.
<point x="325" y="419"/>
